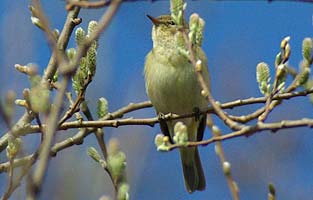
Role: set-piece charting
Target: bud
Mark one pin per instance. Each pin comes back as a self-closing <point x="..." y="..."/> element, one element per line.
<point x="93" y="153"/>
<point x="177" y="8"/>
<point x="287" y="52"/>
<point x="278" y="59"/>
<point x="194" y="20"/>
<point x="92" y="26"/>
<point x="162" y="142"/>
<point x="271" y="188"/>
<point x="303" y="76"/>
<point x="56" y="33"/>
<point x="307" y="46"/>
<point x="216" y="131"/>
<point x="30" y="69"/>
<point x="40" y="99"/>
<point x="284" y="42"/>
<point x="36" y="22"/>
<point x="123" y="192"/>
<point x="193" y="27"/>
<point x="281" y="76"/>
<point x="272" y="192"/>
<point x="78" y="80"/>
<point x="80" y="36"/>
<point x="21" y="102"/>
<point x="204" y="93"/>
<point x="285" y="49"/>
<point x="199" y="66"/>
<point x="180" y="133"/>
<point x="226" y="168"/>
<point x="14" y="145"/>
<point x="263" y="77"/>
<point x="158" y="140"/>
<point x="91" y="59"/>
<point x="71" y="53"/>
<point x="117" y="164"/>
<point x="199" y="35"/>
<point x="177" y="5"/>
<point x="102" y="107"/>
<point x="180" y="41"/>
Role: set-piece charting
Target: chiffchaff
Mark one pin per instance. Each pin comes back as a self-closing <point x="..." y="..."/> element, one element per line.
<point x="172" y="86"/>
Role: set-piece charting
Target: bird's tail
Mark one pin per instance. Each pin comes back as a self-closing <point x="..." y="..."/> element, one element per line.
<point x="192" y="169"/>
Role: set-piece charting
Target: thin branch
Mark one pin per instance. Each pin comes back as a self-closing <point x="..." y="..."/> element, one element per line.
<point x="248" y="130"/>
<point x="10" y="185"/>
<point x="18" y="162"/>
<point x="86" y="4"/>
<point x="62" y="43"/>
<point x="99" y="133"/>
<point x="276" y="100"/>
<point x="74" y="107"/>
<point x="220" y="153"/>
<point x="26" y="162"/>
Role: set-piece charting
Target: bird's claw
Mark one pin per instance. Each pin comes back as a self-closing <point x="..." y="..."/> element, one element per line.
<point x="196" y="111"/>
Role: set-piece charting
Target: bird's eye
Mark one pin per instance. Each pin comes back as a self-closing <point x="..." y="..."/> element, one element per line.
<point x="171" y="22"/>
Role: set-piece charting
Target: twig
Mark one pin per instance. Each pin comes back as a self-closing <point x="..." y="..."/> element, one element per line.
<point x="77" y="139"/>
<point x="276" y="100"/>
<point x="10" y="185"/>
<point x="26" y="162"/>
<point x="248" y="130"/>
<point x="4" y="167"/>
<point x="62" y="43"/>
<point x="224" y="163"/>
<point x="86" y="4"/>
<point x="75" y="105"/>
<point x="258" y="128"/>
<point x="99" y="133"/>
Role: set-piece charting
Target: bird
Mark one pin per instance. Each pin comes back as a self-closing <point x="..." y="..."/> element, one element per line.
<point x="172" y="87"/>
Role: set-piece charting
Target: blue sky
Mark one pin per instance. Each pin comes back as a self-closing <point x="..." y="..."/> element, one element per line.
<point x="238" y="35"/>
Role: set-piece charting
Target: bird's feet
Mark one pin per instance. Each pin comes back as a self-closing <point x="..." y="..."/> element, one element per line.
<point x="196" y="111"/>
<point x="163" y="126"/>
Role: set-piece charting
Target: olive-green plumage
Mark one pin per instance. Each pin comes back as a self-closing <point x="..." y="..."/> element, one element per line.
<point x="172" y="87"/>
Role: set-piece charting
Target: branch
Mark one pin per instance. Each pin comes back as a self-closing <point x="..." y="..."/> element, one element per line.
<point x="86" y="4"/>
<point x="260" y="127"/>
<point x="248" y="130"/>
<point x="110" y="119"/>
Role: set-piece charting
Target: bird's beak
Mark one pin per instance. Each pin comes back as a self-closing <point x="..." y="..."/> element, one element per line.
<point x="154" y="20"/>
